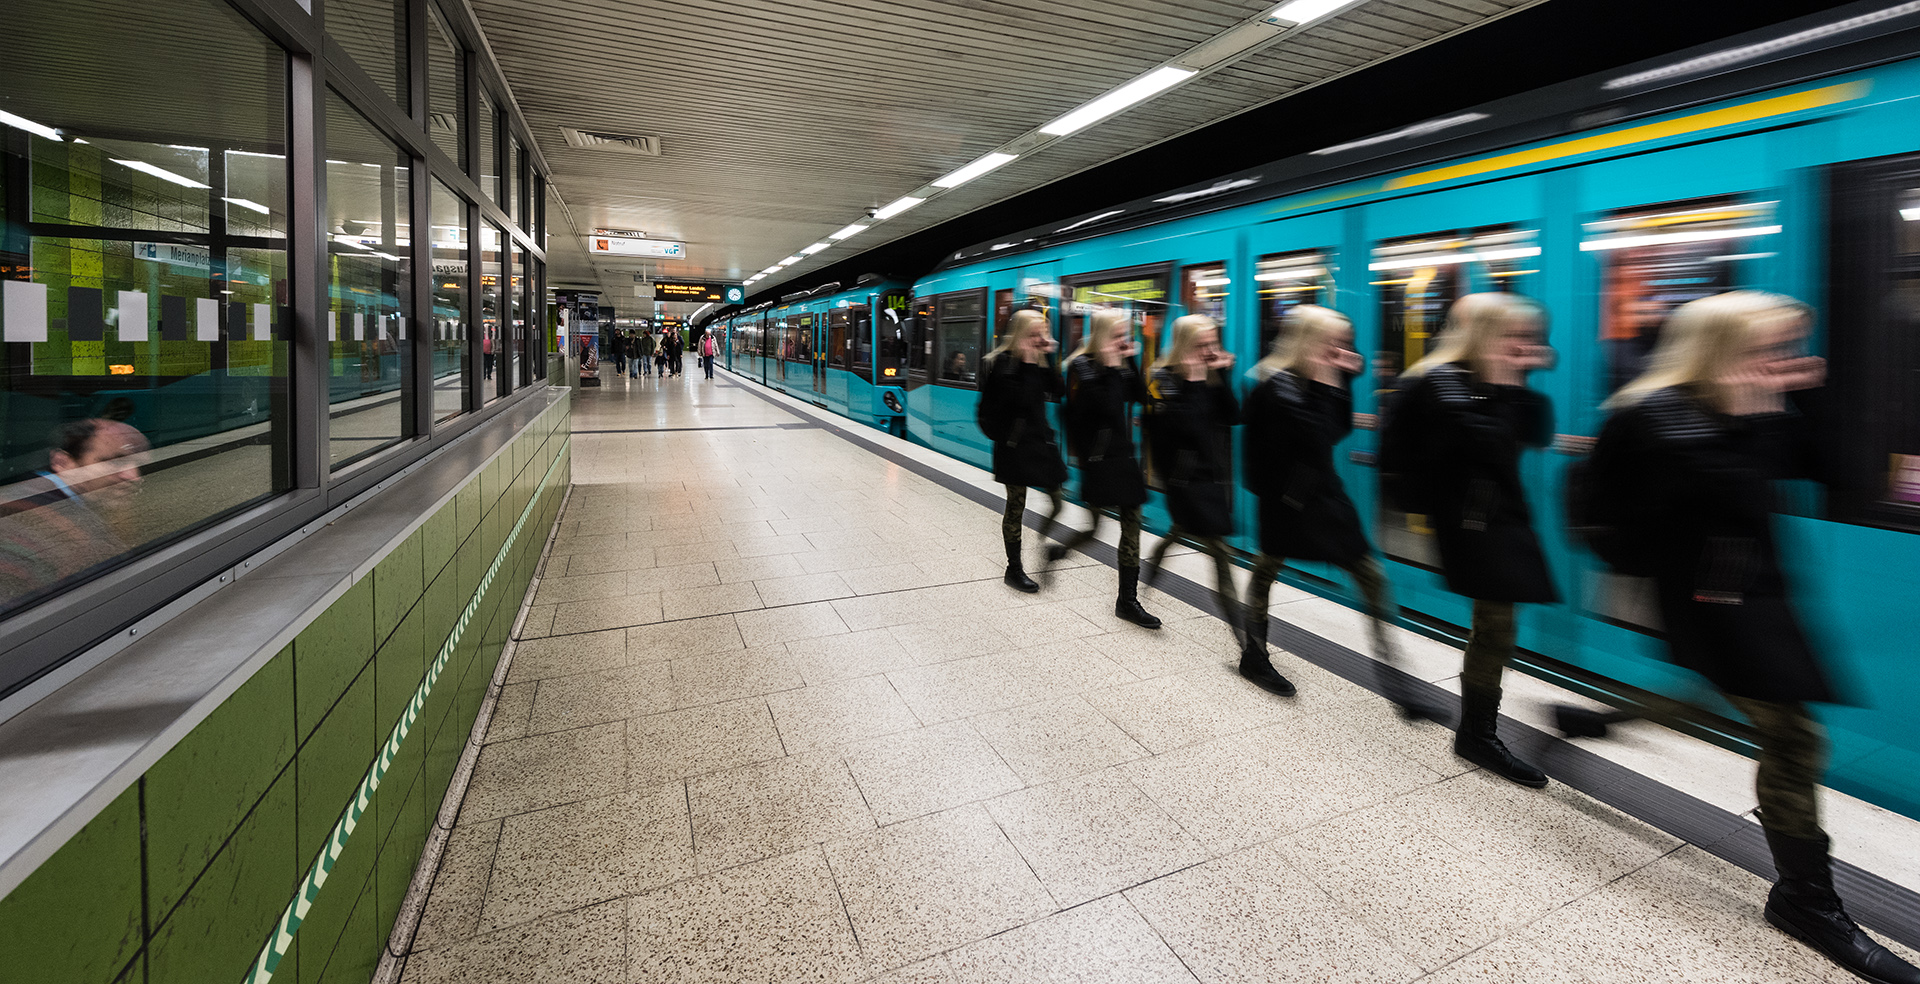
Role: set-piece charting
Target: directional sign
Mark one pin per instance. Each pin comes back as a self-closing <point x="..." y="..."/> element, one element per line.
<point x="698" y="292"/>
<point x="616" y="246"/>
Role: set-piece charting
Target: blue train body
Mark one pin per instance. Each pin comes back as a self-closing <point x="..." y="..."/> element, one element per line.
<point x="1608" y="228"/>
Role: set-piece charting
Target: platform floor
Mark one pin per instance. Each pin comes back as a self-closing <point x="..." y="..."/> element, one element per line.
<point x="773" y="717"/>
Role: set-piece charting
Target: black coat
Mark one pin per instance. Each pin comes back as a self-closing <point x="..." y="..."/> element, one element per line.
<point x="1100" y="430"/>
<point x="1480" y="519"/>
<point x="1192" y="450"/>
<point x="1292" y="427"/>
<point x="1701" y="488"/>
<point x="1020" y="391"/>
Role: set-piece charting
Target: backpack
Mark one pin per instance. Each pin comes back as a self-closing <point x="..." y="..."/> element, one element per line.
<point x="1601" y="509"/>
<point x="1406" y="458"/>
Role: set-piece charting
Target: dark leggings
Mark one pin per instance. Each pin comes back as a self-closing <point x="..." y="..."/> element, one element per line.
<point x="1215" y="547"/>
<point x="1489" y="647"/>
<point x="1011" y="520"/>
<point x="1129" y="536"/>
<point x="1367" y="577"/>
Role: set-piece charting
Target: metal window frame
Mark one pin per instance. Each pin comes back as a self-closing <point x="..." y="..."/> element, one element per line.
<point x="39" y="639"/>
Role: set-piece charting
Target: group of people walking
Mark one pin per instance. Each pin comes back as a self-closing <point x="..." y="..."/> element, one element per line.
<point x="638" y="353"/>
<point x="1684" y="467"/>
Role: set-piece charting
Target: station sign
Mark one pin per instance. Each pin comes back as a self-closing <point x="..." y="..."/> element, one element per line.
<point x="698" y="292"/>
<point x="621" y="246"/>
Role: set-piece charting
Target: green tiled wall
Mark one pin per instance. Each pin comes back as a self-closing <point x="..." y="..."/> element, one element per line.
<point x="225" y="827"/>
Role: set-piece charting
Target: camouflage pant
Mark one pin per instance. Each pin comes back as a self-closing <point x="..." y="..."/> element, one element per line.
<point x="1367" y="577"/>
<point x="1129" y="536"/>
<point x="1223" y="592"/>
<point x="1017" y="510"/>
<point x="1793" y="757"/>
<point x="1489" y="647"/>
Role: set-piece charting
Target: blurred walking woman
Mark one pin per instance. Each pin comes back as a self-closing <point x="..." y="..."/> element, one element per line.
<point x="1696" y="442"/>
<point x="1016" y="383"/>
<point x="1472" y="400"/>
<point x="1193" y="414"/>
<point x="1301" y="409"/>
<point x="1102" y="379"/>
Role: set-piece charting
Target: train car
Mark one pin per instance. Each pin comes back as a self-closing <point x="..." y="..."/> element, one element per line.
<point x="840" y="349"/>
<point x="1610" y="200"/>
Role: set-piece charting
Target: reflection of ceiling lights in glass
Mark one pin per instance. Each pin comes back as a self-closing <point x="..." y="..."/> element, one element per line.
<point x="243" y="203"/>
<point x="28" y="125"/>
<point x="1448" y="259"/>
<point x="160" y="172"/>
<point x="1213" y="282"/>
<point x="1662" y="239"/>
<point x="1728" y="57"/>
<point x="1416" y="130"/>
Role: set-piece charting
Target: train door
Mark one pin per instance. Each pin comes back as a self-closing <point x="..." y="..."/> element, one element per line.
<point x="892" y="326"/>
<point x="815" y="328"/>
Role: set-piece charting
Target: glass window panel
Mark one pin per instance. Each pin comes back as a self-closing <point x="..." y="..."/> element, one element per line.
<point x="517" y="318"/>
<point x="920" y="339"/>
<point x="374" y="32"/>
<point x="958" y="329"/>
<point x="451" y="366"/>
<point x="137" y="377"/>
<point x="488" y="171"/>
<point x="1204" y="288"/>
<point x="446" y="88"/>
<point x="516" y="162"/>
<point x="370" y="289"/>
<point x="540" y="328"/>
<point x="860" y="349"/>
<point x="491" y="343"/>
<point x="1655" y="258"/>
<point x="1142" y="295"/>
<point x="1285" y="281"/>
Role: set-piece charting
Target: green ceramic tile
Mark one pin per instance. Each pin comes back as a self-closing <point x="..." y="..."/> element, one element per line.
<point x="443" y="755"/>
<point x="398" y="669"/>
<point x="329" y="654"/>
<point x="135" y="972"/>
<point x="444" y="603"/>
<point x="470" y="509"/>
<point x="228" y="915"/>
<point x="396" y="586"/>
<point x="201" y="789"/>
<point x="405" y="818"/>
<point x="357" y="954"/>
<point x="471" y="563"/>
<point x="437" y="539"/>
<point x="332" y="762"/>
<point x="329" y="923"/>
<point x="77" y="917"/>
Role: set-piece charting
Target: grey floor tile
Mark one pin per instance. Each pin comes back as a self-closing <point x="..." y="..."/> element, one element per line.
<point x="697" y="740"/>
<point x="717" y="677"/>
<point x="539" y="771"/>
<point x="683" y="638"/>
<point x="535" y="659"/>
<point x="1093" y="835"/>
<point x="1102" y="942"/>
<point x="459" y="890"/>
<point x="1056" y="738"/>
<point x="774" y="920"/>
<point x="775" y="807"/>
<point x="596" y="698"/>
<point x="848" y="655"/>
<point x="839" y="712"/>
<point x="771" y="625"/>
<point x="927" y="770"/>
<point x="578" y="854"/>
<point x="579" y="947"/>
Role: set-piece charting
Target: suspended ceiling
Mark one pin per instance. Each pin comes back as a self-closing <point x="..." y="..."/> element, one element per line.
<point x="781" y="122"/>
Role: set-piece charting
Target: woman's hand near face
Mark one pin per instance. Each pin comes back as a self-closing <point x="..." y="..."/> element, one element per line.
<point x="1800" y="374"/>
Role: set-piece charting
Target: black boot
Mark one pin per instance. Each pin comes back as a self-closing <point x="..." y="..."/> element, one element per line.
<point x="1479" y="743"/>
<point x="1257" y="667"/>
<point x="1016" y="574"/>
<point x="1803" y="905"/>
<point x="1127" y="606"/>
<point x="1579" y="722"/>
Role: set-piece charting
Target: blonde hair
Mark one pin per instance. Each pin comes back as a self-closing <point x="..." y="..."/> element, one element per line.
<point x="1474" y="325"/>
<point x="1100" y="327"/>
<point x="1180" y="340"/>
<point x="1701" y="338"/>
<point x="1303" y="328"/>
<point x="1017" y="323"/>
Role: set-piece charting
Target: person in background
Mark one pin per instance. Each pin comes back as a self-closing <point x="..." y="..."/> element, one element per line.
<point x="1191" y="420"/>
<point x="644" y="345"/>
<point x="660" y="353"/>
<point x="674" y="346"/>
<point x="1471" y="398"/>
<point x="707" y="351"/>
<point x="1103" y="377"/>
<point x="1726" y="406"/>
<point x="1300" y="410"/>
<point x="633" y="355"/>
<point x="486" y="351"/>
<point x="1017" y="383"/>
<point x="619" y="353"/>
<point x="61" y="521"/>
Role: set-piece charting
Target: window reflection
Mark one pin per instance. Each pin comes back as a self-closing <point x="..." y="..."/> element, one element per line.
<point x="490" y="338"/>
<point x="446" y="87"/>
<point x="450" y="351"/>
<point x="370" y="286"/>
<point x="1287" y="280"/>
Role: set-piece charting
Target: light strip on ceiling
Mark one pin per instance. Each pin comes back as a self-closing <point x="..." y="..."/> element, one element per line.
<point x="1416" y="130"/>
<point x="897" y="206"/>
<point x="955" y="179"/>
<point x="1744" y="53"/>
<point x="1305" y="11"/>
<point x="848" y="232"/>
<point x="21" y="122"/>
<point x="1139" y="90"/>
<point x="1702" y="236"/>
<point x="815" y="248"/>
<point x="161" y="173"/>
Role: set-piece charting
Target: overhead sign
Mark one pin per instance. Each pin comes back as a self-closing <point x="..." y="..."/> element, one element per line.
<point x="621" y="233"/>
<point x="698" y="293"/>
<point x="617" y="246"/>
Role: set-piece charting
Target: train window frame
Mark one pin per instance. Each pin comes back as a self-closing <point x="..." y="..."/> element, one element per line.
<point x="859" y="326"/>
<point x="920" y="311"/>
<point x="1194" y="277"/>
<point x="1069" y="302"/>
<point x="1271" y="267"/>
<point x="981" y="325"/>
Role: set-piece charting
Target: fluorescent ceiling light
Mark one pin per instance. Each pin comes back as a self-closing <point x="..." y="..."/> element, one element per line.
<point x="848" y="232"/>
<point x="1702" y="236"/>
<point x="1303" y="11"/>
<point x="28" y="125"/>
<point x="897" y="206"/>
<point x="791" y="260"/>
<point x="772" y="269"/>
<point x="957" y="178"/>
<point x="1734" y="56"/>
<point x="161" y="173"/>
<point x="243" y="203"/>
<point x="1448" y="259"/>
<point x="1910" y="214"/>
<point x="1145" y="87"/>
<point x="1416" y="130"/>
<point x="815" y="248"/>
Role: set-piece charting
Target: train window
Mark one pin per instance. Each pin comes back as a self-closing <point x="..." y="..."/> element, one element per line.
<point x="958" y="327"/>
<point x="1655" y="258"/>
<point x="920" y="339"/>
<point x="800" y="337"/>
<point x="894" y="324"/>
<point x="860" y="344"/>
<point x="839" y="339"/>
<point x="1419" y="279"/>
<point x="1287" y="280"/>
<point x="1203" y="290"/>
<point x="1141" y="291"/>
<point x="1874" y="342"/>
<point x="1002" y="310"/>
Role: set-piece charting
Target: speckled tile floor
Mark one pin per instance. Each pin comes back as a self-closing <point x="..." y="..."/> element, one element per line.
<point x="773" y="717"/>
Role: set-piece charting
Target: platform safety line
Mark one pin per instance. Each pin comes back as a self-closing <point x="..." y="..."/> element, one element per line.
<point x="263" y="967"/>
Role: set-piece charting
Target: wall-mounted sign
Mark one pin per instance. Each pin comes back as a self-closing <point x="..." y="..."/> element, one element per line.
<point x="621" y="233"/>
<point x="618" y="246"/>
<point x="698" y="293"/>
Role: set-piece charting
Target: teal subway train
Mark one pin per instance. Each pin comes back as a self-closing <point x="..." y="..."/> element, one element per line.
<point x="1610" y="200"/>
